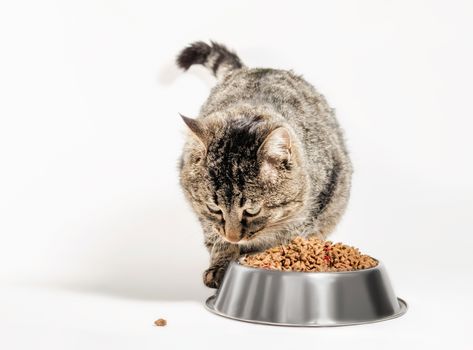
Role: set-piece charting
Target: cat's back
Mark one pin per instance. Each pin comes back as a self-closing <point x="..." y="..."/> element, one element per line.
<point x="287" y="93"/>
<point x="281" y="93"/>
<point x="280" y="88"/>
<point x="263" y="85"/>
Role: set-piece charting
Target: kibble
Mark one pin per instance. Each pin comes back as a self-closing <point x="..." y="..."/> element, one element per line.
<point x="160" y="322"/>
<point x="311" y="255"/>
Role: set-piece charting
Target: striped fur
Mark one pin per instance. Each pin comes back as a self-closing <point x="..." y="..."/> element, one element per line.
<point x="265" y="142"/>
<point x="215" y="57"/>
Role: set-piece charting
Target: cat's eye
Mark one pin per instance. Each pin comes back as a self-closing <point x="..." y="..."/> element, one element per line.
<point x="214" y="208"/>
<point x="253" y="211"/>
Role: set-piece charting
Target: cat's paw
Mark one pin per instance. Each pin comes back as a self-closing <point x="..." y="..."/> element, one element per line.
<point x="213" y="276"/>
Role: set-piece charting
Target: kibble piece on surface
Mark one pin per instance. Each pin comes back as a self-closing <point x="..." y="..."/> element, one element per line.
<point x="311" y="254"/>
<point x="160" y="322"/>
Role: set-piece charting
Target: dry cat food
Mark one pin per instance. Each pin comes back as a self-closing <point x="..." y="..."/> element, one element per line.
<point x="311" y="255"/>
<point x="160" y="322"/>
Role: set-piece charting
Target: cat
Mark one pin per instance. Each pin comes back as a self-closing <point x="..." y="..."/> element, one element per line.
<point x="264" y="161"/>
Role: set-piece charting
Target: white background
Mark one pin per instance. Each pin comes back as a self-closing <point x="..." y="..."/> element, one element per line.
<point x="96" y="240"/>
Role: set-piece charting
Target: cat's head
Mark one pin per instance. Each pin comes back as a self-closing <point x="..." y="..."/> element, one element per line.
<point x="244" y="176"/>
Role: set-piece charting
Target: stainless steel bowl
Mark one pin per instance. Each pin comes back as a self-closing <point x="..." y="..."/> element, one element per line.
<point x="310" y="299"/>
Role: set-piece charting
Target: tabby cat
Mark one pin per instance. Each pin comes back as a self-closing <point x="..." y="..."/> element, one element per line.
<point x="263" y="162"/>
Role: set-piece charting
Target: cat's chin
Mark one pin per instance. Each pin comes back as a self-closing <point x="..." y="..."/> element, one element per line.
<point x="253" y="241"/>
<point x="244" y="241"/>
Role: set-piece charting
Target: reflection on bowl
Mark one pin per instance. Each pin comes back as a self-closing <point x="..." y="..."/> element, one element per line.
<point x="306" y="298"/>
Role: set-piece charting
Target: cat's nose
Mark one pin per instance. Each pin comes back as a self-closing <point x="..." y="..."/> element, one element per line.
<point x="233" y="235"/>
<point x="232" y="228"/>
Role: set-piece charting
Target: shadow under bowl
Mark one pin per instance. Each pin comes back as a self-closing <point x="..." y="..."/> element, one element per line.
<point x="310" y="299"/>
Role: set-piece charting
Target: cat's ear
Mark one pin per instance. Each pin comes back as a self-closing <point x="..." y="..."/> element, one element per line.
<point x="196" y="127"/>
<point x="275" y="150"/>
<point x="277" y="146"/>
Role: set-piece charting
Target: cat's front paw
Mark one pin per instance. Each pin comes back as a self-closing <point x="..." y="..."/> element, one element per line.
<point x="213" y="276"/>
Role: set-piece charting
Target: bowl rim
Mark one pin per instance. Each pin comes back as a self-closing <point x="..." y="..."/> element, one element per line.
<point x="210" y="306"/>
<point x="238" y="262"/>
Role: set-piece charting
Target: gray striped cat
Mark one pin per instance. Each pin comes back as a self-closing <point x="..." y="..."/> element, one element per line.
<point x="263" y="162"/>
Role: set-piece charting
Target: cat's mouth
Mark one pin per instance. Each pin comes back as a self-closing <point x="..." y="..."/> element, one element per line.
<point x="243" y="239"/>
<point x="250" y="237"/>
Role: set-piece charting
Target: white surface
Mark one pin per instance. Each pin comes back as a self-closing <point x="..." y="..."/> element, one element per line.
<point x="96" y="240"/>
<point x="51" y="319"/>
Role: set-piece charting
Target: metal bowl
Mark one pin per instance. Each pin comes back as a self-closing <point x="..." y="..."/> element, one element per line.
<point x="310" y="299"/>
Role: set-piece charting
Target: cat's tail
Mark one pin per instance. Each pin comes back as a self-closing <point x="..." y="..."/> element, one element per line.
<point x="215" y="57"/>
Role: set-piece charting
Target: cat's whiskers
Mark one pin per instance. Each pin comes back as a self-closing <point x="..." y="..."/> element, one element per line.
<point x="270" y="234"/>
